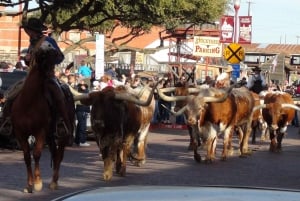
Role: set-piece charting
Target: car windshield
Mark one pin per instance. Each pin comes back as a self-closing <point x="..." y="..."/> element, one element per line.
<point x="150" y="100"/>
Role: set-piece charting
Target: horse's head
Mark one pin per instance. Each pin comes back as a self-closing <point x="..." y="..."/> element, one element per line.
<point x="45" y="57"/>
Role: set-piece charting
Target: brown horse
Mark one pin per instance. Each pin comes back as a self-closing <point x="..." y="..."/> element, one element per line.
<point x="33" y="118"/>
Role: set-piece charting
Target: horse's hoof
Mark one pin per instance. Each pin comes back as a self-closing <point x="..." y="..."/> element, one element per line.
<point x="28" y="190"/>
<point x="38" y="186"/>
<point x="53" y="186"/>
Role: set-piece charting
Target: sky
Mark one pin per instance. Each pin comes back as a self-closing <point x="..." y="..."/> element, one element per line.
<point x="273" y="21"/>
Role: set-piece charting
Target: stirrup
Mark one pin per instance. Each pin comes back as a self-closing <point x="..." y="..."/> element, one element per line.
<point x="61" y="129"/>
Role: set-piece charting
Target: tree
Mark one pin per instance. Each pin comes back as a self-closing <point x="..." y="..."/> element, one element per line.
<point x="138" y="16"/>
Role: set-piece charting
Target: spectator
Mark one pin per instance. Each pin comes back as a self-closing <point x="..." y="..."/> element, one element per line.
<point x="19" y="66"/>
<point x="112" y="72"/>
<point x="81" y="115"/>
<point x="164" y="112"/>
<point x="72" y="80"/>
<point x="224" y="79"/>
<point x="84" y="71"/>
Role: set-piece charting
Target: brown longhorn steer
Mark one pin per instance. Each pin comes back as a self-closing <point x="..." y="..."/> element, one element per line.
<point x="119" y="118"/>
<point x="215" y="111"/>
<point x="278" y="111"/>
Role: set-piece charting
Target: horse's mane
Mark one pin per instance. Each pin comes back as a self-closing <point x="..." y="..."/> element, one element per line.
<point x="44" y="60"/>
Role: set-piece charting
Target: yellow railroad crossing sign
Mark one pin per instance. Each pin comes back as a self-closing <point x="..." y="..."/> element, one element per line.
<point x="234" y="53"/>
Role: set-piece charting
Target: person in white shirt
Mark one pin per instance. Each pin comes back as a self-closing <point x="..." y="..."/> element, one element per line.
<point x="224" y="79"/>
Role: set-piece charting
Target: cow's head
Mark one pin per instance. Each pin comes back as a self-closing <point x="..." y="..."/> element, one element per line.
<point x="195" y="96"/>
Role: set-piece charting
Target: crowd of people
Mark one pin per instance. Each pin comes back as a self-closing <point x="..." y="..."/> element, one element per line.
<point x="83" y="80"/>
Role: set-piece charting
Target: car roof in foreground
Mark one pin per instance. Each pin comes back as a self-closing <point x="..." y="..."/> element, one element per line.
<point x="174" y="193"/>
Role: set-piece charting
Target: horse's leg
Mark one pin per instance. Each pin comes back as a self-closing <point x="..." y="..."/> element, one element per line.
<point x="57" y="152"/>
<point x="37" y="152"/>
<point x="27" y="159"/>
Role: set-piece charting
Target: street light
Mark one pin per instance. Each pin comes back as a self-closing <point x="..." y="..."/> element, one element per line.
<point x="237" y="4"/>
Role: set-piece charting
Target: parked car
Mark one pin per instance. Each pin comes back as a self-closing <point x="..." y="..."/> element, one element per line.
<point x="9" y="78"/>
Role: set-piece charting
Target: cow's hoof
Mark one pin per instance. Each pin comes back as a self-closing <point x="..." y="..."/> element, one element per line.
<point x="118" y="168"/>
<point x="230" y="152"/>
<point x="223" y="158"/>
<point x="122" y="172"/>
<point x="197" y="158"/>
<point x="208" y="161"/>
<point x="243" y="156"/>
<point x="53" y="185"/>
<point x="107" y="176"/>
<point x="28" y="189"/>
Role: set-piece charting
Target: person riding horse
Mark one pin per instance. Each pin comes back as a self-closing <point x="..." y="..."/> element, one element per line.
<point x="257" y="81"/>
<point x="34" y="29"/>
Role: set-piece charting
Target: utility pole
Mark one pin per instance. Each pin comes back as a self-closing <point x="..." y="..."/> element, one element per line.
<point x="249" y="6"/>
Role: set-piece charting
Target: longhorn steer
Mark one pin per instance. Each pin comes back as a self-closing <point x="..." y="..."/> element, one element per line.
<point x="215" y="111"/>
<point x="278" y="111"/>
<point x="118" y="118"/>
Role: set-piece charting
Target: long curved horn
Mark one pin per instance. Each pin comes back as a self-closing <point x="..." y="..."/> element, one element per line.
<point x="168" y="89"/>
<point x="130" y="98"/>
<point x="194" y="90"/>
<point x="170" y="98"/>
<point x="77" y="96"/>
<point x="178" y="113"/>
<point x="213" y="99"/>
<point x="290" y="106"/>
<point x="258" y="107"/>
<point x="81" y="97"/>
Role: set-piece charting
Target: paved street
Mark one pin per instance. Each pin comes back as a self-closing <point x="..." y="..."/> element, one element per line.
<point x="169" y="163"/>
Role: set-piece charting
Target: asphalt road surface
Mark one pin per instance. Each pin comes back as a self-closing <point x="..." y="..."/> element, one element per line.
<point x="169" y="163"/>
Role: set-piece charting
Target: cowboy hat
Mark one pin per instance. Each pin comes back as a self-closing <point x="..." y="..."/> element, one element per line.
<point x="229" y="69"/>
<point x="34" y="24"/>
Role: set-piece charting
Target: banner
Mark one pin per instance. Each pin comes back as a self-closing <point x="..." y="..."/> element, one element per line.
<point x="245" y="34"/>
<point x="99" y="64"/>
<point x="207" y="46"/>
<point x="227" y="29"/>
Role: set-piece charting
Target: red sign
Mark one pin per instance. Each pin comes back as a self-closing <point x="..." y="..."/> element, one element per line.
<point x="227" y="29"/>
<point x="245" y="34"/>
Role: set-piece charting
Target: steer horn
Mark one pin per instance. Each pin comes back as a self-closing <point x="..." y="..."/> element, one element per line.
<point x="77" y="96"/>
<point x="178" y="113"/>
<point x="290" y="106"/>
<point x="129" y="97"/>
<point x="219" y="99"/>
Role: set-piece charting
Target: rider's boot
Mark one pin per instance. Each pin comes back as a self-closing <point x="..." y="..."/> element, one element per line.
<point x="60" y="103"/>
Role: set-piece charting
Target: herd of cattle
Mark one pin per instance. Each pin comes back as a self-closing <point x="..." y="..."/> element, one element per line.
<point x="121" y="117"/>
